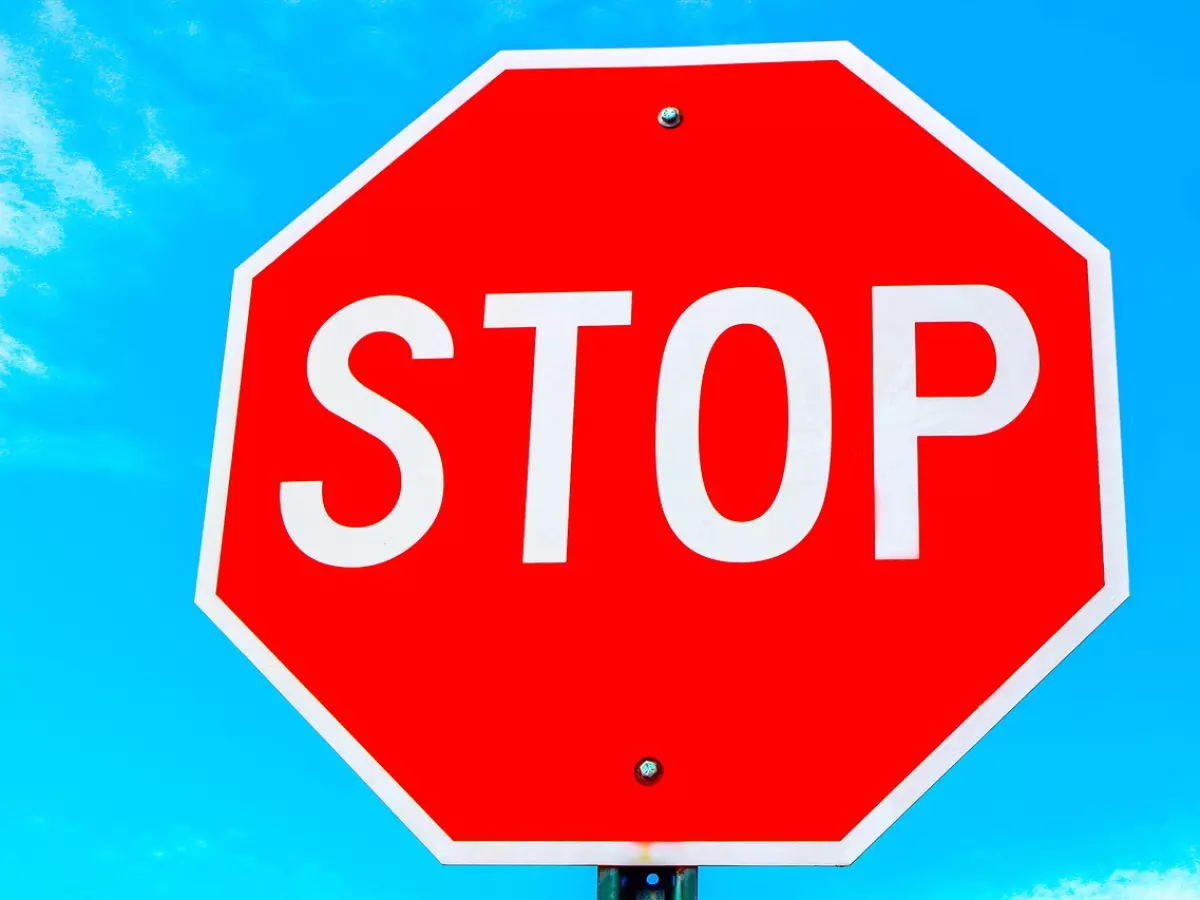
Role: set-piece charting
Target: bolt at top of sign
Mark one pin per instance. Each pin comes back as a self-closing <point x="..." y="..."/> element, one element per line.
<point x="670" y="117"/>
<point x="860" y="456"/>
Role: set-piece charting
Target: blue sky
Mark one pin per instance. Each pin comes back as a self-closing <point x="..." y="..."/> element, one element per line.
<point x="149" y="146"/>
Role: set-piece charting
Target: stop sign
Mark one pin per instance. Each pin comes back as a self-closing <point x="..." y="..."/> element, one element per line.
<point x="723" y="407"/>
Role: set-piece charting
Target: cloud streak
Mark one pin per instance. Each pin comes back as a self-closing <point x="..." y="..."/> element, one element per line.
<point x="60" y="22"/>
<point x="43" y="184"/>
<point x="1180" y="883"/>
<point x="40" y="182"/>
<point x="158" y="154"/>
<point x="15" y="355"/>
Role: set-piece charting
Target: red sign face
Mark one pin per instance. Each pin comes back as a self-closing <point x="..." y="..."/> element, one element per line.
<point x="779" y="445"/>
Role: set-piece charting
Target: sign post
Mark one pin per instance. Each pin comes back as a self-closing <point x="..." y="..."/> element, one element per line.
<point x="646" y="883"/>
<point x="731" y="384"/>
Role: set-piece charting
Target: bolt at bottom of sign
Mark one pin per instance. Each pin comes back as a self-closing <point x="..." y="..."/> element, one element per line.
<point x="648" y="770"/>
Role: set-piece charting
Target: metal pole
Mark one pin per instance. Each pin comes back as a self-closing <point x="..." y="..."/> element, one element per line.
<point x="646" y="883"/>
<point x="608" y="883"/>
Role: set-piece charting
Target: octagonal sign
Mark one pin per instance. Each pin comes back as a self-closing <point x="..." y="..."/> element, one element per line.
<point x="725" y="407"/>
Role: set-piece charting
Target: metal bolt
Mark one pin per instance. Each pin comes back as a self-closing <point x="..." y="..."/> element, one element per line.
<point x="669" y="117"/>
<point x="648" y="771"/>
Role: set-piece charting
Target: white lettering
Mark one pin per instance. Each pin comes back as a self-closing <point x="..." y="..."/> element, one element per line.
<point x="685" y="500"/>
<point x="901" y="416"/>
<point x="556" y="319"/>
<point x="335" y="387"/>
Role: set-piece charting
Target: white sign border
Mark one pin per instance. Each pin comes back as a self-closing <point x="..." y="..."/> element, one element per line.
<point x="747" y="853"/>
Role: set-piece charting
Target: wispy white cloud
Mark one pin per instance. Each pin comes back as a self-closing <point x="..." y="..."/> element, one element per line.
<point x="33" y="158"/>
<point x="60" y="23"/>
<point x="43" y="183"/>
<point x="190" y="847"/>
<point x="57" y="18"/>
<point x="165" y="158"/>
<point x="1180" y="883"/>
<point x="158" y="154"/>
<point x="15" y="355"/>
<point x="510" y="9"/>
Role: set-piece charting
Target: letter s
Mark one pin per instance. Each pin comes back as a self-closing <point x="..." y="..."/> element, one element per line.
<point x="304" y="515"/>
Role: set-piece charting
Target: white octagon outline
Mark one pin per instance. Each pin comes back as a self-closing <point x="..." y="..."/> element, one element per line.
<point x="845" y="851"/>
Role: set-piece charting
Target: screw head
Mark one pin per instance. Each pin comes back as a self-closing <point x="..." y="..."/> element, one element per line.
<point x="669" y="117"/>
<point x="648" y="771"/>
